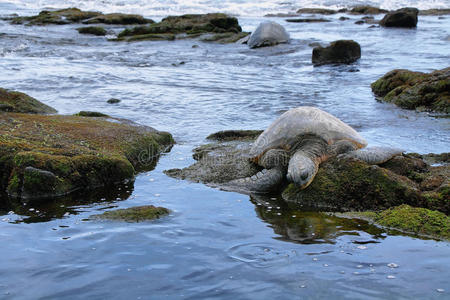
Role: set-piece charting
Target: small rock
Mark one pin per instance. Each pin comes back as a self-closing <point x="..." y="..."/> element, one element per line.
<point x="113" y="101"/>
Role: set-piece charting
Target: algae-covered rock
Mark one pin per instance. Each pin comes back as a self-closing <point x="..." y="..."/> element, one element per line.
<point x="12" y="101"/>
<point x="404" y="17"/>
<point x="134" y="214"/>
<point x="94" y="30"/>
<point x="91" y="114"/>
<point x="230" y="135"/>
<point x="341" y="184"/>
<point x="409" y="219"/>
<point x="56" y="17"/>
<point x="185" y="26"/>
<point x="118" y="19"/>
<point x="321" y="11"/>
<point x="47" y="156"/>
<point x="415" y="90"/>
<point x="367" y="10"/>
<point x="338" y="52"/>
<point x="434" y="12"/>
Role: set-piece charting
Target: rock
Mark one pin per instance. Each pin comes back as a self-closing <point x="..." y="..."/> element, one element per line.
<point x="185" y="26"/>
<point x="415" y="220"/>
<point x="113" y="101"/>
<point x="48" y="156"/>
<point x="57" y="17"/>
<point x="75" y="15"/>
<point x="225" y="38"/>
<point x="434" y="12"/>
<point x="404" y="17"/>
<point x="90" y="114"/>
<point x="232" y="135"/>
<point x="367" y="10"/>
<point x="94" y="30"/>
<point x="268" y="34"/>
<point x="119" y="19"/>
<point x="342" y="51"/>
<point x="415" y="90"/>
<point x="359" y="22"/>
<point x="134" y="214"/>
<point x="321" y="11"/>
<point x="307" y="20"/>
<point x="281" y="15"/>
<point x="344" y="18"/>
<point x="11" y="101"/>
<point x="343" y="184"/>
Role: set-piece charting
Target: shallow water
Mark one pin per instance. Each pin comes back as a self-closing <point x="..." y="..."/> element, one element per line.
<point x="217" y="244"/>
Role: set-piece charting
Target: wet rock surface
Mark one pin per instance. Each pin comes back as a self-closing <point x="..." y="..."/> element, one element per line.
<point x="94" y="30"/>
<point x="134" y="214"/>
<point x="404" y="17"/>
<point x="338" y="52"/>
<point x="415" y="90"/>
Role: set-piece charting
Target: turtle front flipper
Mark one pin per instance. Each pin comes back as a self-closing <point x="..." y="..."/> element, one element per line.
<point x="265" y="181"/>
<point x="374" y="155"/>
<point x="302" y="168"/>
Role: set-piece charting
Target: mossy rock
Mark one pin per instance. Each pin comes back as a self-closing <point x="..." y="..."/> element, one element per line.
<point x="56" y="17"/>
<point x="320" y="11"/>
<point x="119" y="19"/>
<point x="48" y="156"/>
<point x="11" y="101"/>
<point x="230" y="135"/>
<point x="187" y="26"/>
<point x="134" y="214"/>
<point x="434" y="12"/>
<point x="414" y="220"/>
<point x="84" y="113"/>
<point x="415" y="90"/>
<point x="94" y="30"/>
<point x="367" y="10"/>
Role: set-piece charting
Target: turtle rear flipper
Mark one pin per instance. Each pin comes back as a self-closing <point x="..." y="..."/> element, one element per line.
<point x="374" y="155"/>
<point x="265" y="181"/>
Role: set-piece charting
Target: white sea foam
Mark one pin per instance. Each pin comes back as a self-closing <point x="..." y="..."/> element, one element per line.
<point x="235" y="7"/>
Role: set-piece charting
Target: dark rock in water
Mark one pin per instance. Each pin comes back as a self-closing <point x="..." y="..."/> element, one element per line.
<point x="113" y="101"/>
<point x="91" y="114"/>
<point x="94" y="30"/>
<point x="415" y="90"/>
<point x="359" y="22"/>
<point x="119" y="19"/>
<point x="134" y="214"/>
<point x="343" y="184"/>
<point x="367" y="10"/>
<point x="185" y="26"/>
<point x="228" y="135"/>
<point x="307" y="20"/>
<point x="343" y="18"/>
<point x="268" y="34"/>
<point x="342" y="51"/>
<point x="225" y="38"/>
<point x="11" y="101"/>
<point x="57" y="17"/>
<point x="404" y="17"/>
<point x="45" y="156"/>
<point x="321" y="11"/>
<point x="434" y="12"/>
<point x="281" y="15"/>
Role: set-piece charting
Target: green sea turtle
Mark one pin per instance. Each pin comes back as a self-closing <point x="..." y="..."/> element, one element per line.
<point x="295" y="144"/>
<point x="268" y="33"/>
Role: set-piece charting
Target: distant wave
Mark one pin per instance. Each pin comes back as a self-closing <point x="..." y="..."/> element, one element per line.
<point x="255" y="8"/>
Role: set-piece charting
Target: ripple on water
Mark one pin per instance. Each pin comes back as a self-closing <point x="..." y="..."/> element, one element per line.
<point x="260" y="255"/>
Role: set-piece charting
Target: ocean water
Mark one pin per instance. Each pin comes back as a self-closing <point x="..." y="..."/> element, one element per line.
<point x="217" y="244"/>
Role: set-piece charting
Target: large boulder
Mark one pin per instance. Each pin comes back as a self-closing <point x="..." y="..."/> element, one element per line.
<point x="12" y="101"/>
<point x="44" y="156"/>
<point x="212" y="27"/>
<point x="338" y="52"/>
<point x="404" y="17"/>
<point x="342" y="184"/>
<point x="415" y="90"/>
<point x="268" y="33"/>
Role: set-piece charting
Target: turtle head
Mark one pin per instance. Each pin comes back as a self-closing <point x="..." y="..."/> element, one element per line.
<point x="301" y="170"/>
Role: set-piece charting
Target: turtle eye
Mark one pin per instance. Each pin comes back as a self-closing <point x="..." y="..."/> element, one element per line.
<point x="304" y="176"/>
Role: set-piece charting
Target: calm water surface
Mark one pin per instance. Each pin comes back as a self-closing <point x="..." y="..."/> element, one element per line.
<point x="217" y="244"/>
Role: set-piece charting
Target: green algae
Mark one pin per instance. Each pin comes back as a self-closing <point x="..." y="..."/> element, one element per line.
<point x="134" y="214"/>
<point x="94" y="30"/>
<point x="12" y="101"/>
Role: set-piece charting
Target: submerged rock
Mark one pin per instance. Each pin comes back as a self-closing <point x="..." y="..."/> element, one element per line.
<point x="409" y="219"/>
<point x="307" y="20"/>
<point x="12" y="101"/>
<point x="321" y="11"/>
<point x="415" y="90"/>
<point x="134" y="214"/>
<point x="268" y="33"/>
<point x="75" y="15"/>
<point x="94" y="30"/>
<point x="367" y="10"/>
<point x="113" y="101"/>
<point x="342" y="183"/>
<point x="186" y="26"/>
<point x="404" y="17"/>
<point x="338" y="52"/>
<point x="48" y="156"/>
